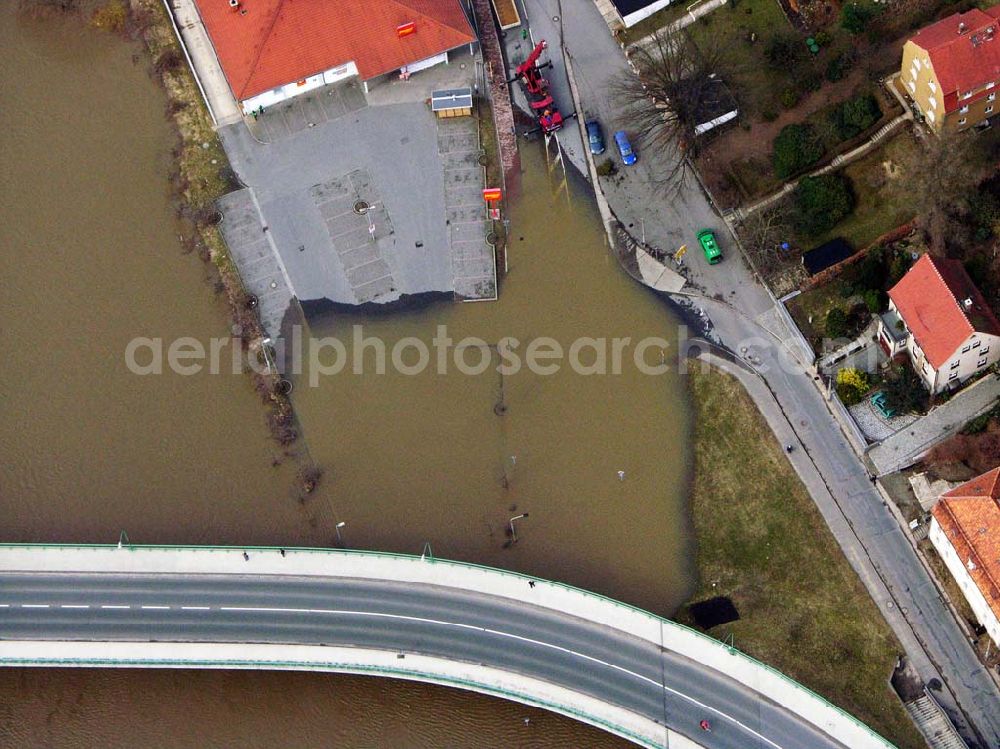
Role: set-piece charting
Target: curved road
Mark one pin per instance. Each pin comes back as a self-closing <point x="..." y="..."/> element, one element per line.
<point x="430" y="620"/>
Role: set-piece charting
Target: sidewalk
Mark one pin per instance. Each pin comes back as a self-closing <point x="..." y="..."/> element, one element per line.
<point x="905" y="447"/>
<point x="204" y="64"/>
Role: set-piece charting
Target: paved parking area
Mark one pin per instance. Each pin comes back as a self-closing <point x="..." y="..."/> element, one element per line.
<point x="259" y="264"/>
<point x="309" y="162"/>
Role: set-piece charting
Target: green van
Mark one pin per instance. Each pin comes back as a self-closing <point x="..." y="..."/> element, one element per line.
<point x="706" y="238"/>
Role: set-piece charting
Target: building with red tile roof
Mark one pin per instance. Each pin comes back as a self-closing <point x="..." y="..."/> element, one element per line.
<point x="944" y="322"/>
<point x="952" y="67"/>
<point x="965" y="530"/>
<point x="271" y="50"/>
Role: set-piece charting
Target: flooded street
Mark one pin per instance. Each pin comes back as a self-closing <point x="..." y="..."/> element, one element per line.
<point x="91" y="260"/>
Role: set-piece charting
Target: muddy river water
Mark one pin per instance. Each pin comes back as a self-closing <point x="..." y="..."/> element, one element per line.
<point x="91" y="260"/>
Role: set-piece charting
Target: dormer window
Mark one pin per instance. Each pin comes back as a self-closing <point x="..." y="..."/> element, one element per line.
<point x="975" y="344"/>
<point x="967" y="95"/>
<point x="964" y="109"/>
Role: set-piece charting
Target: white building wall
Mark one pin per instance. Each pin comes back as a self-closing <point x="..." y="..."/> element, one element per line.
<point x="978" y="352"/>
<point x="957" y="568"/>
<point x="289" y="90"/>
<point x="633" y="18"/>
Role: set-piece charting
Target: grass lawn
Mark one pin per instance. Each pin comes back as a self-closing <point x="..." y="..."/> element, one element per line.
<point x="816" y="303"/>
<point x="755" y="84"/>
<point x="880" y="189"/>
<point x="763" y="543"/>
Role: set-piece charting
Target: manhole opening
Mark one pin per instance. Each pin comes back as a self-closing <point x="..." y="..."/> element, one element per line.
<point x="361" y="207"/>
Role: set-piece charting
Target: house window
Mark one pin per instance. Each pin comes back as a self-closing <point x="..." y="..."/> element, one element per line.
<point x="991" y="84"/>
<point x="953" y="376"/>
<point x="954" y="364"/>
<point x="964" y="109"/>
<point x="981" y="362"/>
<point x="912" y="86"/>
<point x="932" y="86"/>
<point x="991" y="97"/>
<point x="962" y="121"/>
<point x="965" y="349"/>
<point x="989" y="109"/>
<point x="975" y="344"/>
<point x="932" y="101"/>
<point x="967" y="95"/>
<point x="916" y="63"/>
<point x="930" y="116"/>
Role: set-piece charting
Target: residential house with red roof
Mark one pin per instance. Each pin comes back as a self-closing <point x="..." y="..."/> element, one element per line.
<point x="937" y="314"/>
<point x="272" y="50"/>
<point x="965" y="530"/>
<point x="951" y="69"/>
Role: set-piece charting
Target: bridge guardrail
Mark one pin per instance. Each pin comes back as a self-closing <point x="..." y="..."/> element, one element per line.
<point x="700" y="647"/>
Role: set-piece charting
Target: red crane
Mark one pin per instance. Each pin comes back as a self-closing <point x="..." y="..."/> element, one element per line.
<point x="537" y="90"/>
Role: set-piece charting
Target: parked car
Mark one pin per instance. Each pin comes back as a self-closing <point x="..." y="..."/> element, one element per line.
<point x="596" y="137"/>
<point x="625" y="148"/>
<point x="706" y="238"/>
<point x="881" y="403"/>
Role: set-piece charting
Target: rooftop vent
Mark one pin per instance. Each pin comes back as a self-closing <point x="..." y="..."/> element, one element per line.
<point x="234" y="4"/>
<point x="967" y="302"/>
<point x="962" y="28"/>
<point x="970" y="564"/>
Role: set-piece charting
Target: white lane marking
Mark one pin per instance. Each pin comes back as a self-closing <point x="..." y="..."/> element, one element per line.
<point x="34" y="605"/>
<point x="75" y="606"/>
<point x="156" y="607"/>
<point x="4" y="605"/>
<point x="195" y="608"/>
<point x="509" y="635"/>
<point x="114" y="606"/>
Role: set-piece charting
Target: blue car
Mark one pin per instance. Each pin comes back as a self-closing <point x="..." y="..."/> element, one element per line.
<point x="595" y="136"/>
<point x="625" y="148"/>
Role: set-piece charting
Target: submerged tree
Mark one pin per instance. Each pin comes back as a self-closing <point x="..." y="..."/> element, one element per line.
<point x="674" y="84"/>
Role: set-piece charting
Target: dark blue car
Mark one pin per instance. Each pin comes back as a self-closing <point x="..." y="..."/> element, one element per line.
<point x="595" y="136"/>
<point x="625" y="148"/>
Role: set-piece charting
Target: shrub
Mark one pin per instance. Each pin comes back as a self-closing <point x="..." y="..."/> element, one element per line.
<point x="838" y="67"/>
<point x="874" y="301"/>
<point x="769" y="115"/>
<point x="784" y="51"/>
<point x="821" y="202"/>
<point x="852" y="385"/>
<point x="789" y="98"/>
<point x="852" y="117"/>
<point x="836" y="323"/>
<point x="855" y="17"/>
<point x="111" y="16"/>
<point x="606" y="168"/>
<point x="822" y="38"/>
<point x="796" y="148"/>
<point x="904" y="391"/>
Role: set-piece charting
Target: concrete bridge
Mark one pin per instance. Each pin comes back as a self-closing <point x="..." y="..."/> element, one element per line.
<point x="541" y="643"/>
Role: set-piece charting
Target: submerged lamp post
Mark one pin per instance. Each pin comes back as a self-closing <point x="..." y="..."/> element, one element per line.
<point x="510" y="523"/>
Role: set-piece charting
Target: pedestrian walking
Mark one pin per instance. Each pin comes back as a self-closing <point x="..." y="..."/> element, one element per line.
<point x="246" y="557"/>
<point x="531" y="583"/>
<point x="621" y="475"/>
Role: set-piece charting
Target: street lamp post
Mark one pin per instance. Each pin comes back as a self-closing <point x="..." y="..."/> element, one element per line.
<point x="340" y="539"/>
<point x="510" y="523"/>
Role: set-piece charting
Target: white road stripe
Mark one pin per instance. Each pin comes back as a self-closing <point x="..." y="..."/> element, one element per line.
<point x="622" y="669"/>
<point x="34" y="605"/>
<point x="75" y="606"/>
<point x="4" y="605"/>
<point x="196" y="608"/>
<point x="113" y="606"/>
<point x="156" y="607"/>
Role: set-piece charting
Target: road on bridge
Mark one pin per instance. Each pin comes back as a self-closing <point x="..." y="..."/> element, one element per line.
<point x="429" y="620"/>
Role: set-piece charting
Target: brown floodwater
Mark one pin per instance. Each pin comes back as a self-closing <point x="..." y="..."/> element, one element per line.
<point x="91" y="260"/>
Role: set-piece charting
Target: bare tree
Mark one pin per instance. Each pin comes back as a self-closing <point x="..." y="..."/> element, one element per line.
<point x="941" y="179"/>
<point x="762" y="233"/>
<point x="675" y="81"/>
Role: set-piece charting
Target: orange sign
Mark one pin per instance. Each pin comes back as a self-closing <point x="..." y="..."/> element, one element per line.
<point x="406" y="29"/>
<point x="492" y="193"/>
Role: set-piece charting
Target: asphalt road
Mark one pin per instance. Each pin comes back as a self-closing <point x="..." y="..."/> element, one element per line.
<point x="428" y="620"/>
<point x="741" y="316"/>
